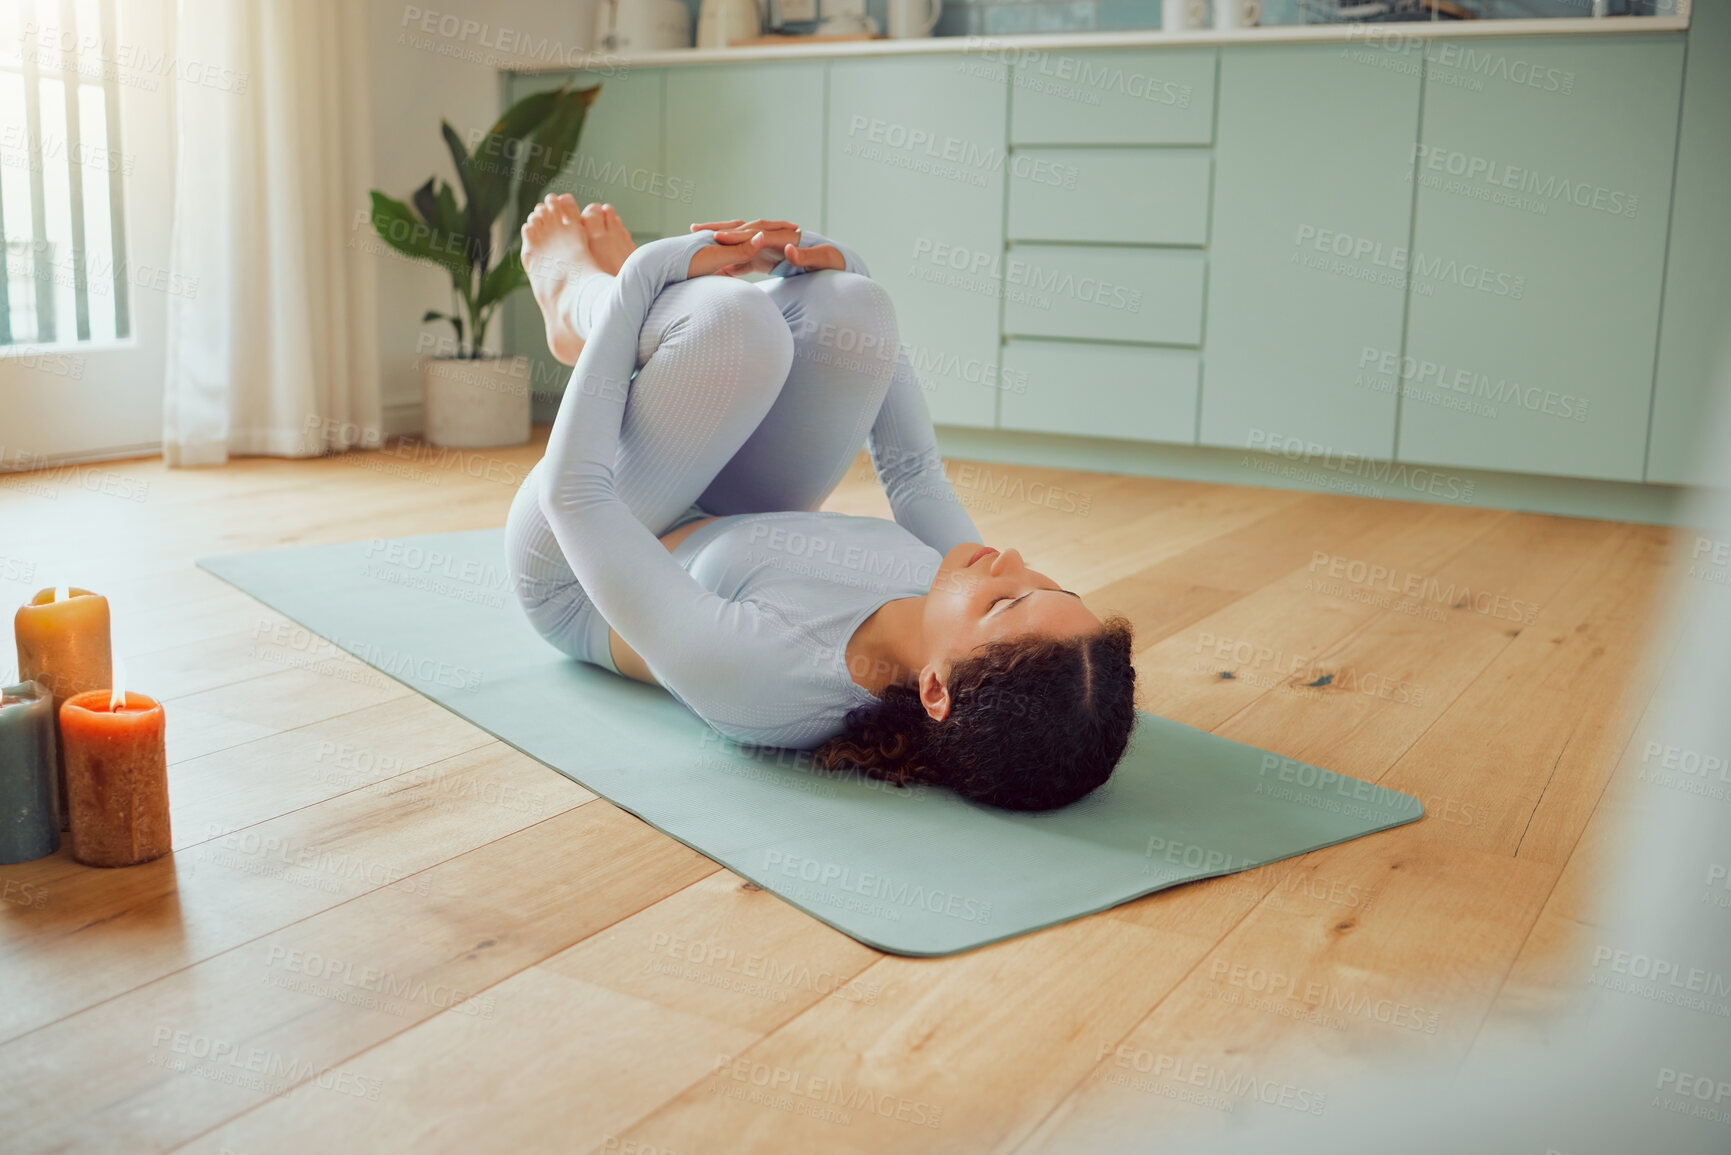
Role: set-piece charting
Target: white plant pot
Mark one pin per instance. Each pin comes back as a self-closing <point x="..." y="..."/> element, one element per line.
<point x="475" y="404"/>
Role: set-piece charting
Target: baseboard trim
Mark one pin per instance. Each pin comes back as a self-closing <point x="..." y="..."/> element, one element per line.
<point x="401" y="418"/>
<point x="1650" y="504"/>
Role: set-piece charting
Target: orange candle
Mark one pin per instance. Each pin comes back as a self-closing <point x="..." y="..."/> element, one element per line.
<point x="117" y="777"/>
<point x="64" y="643"/>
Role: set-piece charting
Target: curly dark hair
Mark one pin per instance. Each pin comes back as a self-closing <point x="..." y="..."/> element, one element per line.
<point x="1035" y="723"/>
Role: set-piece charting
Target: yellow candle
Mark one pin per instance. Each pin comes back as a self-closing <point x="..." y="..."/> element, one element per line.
<point x="64" y="643"/>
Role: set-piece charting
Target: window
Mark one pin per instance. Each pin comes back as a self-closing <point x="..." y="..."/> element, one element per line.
<point x="62" y="168"/>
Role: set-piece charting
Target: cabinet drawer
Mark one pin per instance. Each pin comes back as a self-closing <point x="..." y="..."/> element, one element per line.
<point x="1100" y="390"/>
<point x="1134" y="196"/>
<point x="1147" y="295"/>
<point x="1134" y="96"/>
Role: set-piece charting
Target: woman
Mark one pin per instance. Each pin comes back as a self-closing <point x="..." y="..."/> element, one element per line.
<point x="674" y="539"/>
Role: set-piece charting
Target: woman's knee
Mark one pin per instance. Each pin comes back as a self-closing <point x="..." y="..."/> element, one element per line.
<point x="733" y="315"/>
<point x="846" y="319"/>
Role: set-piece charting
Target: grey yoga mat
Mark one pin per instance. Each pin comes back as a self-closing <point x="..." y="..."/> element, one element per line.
<point x="913" y="872"/>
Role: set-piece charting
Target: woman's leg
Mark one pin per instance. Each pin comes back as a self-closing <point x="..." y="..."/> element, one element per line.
<point x="712" y="356"/>
<point x="845" y="346"/>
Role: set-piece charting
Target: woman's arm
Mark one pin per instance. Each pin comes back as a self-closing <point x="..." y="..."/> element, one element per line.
<point x="688" y="636"/>
<point x="904" y="447"/>
<point x="904" y="450"/>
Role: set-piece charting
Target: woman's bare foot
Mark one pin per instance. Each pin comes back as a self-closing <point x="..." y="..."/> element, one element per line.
<point x="609" y="240"/>
<point x="557" y="256"/>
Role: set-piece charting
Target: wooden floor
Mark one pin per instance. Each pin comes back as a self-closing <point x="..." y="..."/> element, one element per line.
<point x="384" y="930"/>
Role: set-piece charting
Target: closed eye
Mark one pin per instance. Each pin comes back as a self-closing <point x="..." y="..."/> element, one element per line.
<point x="1012" y="601"/>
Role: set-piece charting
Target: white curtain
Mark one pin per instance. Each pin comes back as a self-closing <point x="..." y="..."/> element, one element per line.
<point x="277" y="352"/>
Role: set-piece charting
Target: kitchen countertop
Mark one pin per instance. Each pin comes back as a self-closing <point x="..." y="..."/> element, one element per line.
<point x="1009" y="48"/>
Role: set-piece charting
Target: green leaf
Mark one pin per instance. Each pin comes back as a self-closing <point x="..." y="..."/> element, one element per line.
<point x="552" y="147"/>
<point x="476" y="225"/>
<point x="499" y="155"/>
<point x="433" y="315"/>
<point x="506" y="278"/>
<point x="400" y="228"/>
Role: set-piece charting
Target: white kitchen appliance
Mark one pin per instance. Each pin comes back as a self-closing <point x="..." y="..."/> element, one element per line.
<point x="630" y="27"/>
<point x="724" y="22"/>
<point x="909" y="19"/>
<point x="845" y="18"/>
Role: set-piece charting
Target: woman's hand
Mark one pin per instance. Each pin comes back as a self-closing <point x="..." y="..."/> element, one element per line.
<point x="776" y="241"/>
<point x="725" y="258"/>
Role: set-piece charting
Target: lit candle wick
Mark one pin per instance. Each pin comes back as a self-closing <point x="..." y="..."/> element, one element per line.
<point x="117" y="696"/>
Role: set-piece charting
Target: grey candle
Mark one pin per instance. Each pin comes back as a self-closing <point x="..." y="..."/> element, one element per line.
<point x="29" y="780"/>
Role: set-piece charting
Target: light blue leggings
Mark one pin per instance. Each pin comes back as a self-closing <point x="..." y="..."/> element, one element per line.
<point x="749" y="398"/>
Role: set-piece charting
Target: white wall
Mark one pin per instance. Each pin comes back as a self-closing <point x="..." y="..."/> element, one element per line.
<point x="439" y="59"/>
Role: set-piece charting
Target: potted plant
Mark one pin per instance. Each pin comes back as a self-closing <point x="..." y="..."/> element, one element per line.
<point x="473" y="398"/>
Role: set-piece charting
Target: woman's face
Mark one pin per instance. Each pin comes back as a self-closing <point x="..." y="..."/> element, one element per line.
<point x="981" y="595"/>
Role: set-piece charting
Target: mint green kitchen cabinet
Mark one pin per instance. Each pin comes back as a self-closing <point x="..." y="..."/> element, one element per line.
<point x="1094" y="292"/>
<point x="1544" y="185"/>
<point x="748" y="139"/>
<point x="1126" y="196"/>
<point x="1123" y="391"/>
<point x="915" y="183"/>
<point x="1312" y="209"/>
<point x="1694" y="337"/>
<point x="618" y="159"/>
<point x="1134" y="96"/>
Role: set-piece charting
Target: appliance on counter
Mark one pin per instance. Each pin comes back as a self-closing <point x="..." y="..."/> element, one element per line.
<point x="724" y="22"/>
<point x="629" y="27"/>
<point x="845" y="18"/>
<point x="911" y="19"/>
